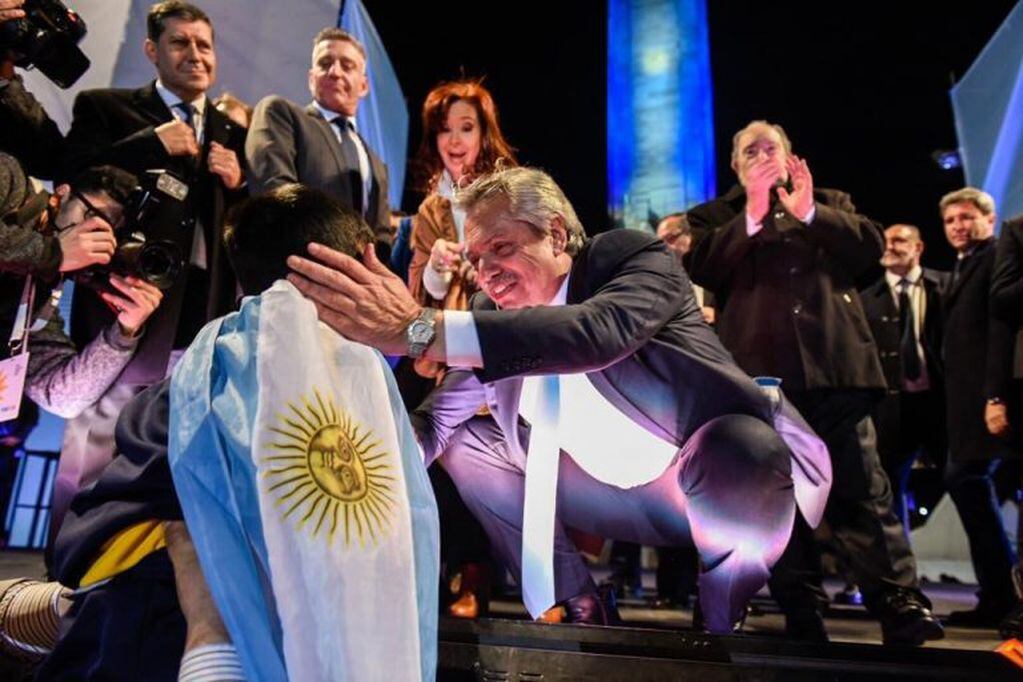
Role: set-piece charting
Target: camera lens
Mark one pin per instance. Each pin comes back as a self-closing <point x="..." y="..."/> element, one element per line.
<point x="159" y="263"/>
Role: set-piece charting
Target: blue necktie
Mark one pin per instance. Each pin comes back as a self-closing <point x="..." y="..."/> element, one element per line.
<point x="351" y="156"/>
<point x="907" y="346"/>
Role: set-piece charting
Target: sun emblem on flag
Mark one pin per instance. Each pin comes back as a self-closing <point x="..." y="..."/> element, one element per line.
<point x="330" y="473"/>
<point x="3" y="382"/>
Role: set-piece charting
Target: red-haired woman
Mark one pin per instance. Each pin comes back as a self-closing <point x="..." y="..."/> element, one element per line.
<point x="461" y="140"/>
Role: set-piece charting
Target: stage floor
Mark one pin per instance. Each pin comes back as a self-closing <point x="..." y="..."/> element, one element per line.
<point x="847" y="625"/>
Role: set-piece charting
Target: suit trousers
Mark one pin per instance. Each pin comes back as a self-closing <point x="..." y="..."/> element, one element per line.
<point x="869" y="537"/>
<point x="970" y="484"/>
<point x="905" y="425"/>
<point x="728" y="491"/>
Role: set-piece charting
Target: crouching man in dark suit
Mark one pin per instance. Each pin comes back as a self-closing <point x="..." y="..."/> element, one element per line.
<point x="904" y="311"/>
<point x="613" y="408"/>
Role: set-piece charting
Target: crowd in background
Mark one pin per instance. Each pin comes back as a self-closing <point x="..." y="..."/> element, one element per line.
<point x="890" y="362"/>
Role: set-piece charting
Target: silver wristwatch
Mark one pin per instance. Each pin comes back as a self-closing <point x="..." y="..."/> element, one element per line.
<point x="420" y="332"/>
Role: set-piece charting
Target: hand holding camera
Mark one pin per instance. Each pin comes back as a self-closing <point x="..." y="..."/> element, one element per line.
<point x="134" y="300"/>
<point x="91" y="242"/>
<point x="11" y="9"/>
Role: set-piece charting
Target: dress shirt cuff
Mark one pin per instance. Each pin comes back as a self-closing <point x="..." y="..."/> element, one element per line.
<point x="435" y="283"/>
<point x="752" y="227"/>
<point x="461" y="339"/>
<point x="811" y="214"/>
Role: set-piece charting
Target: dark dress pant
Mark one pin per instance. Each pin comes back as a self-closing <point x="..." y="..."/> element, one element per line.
<point x="728" y="491"/>
<point x="971" y="485"/>
<point x="867" y="534"/>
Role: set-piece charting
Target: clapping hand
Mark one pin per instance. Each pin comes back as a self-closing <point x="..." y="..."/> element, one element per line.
<point x="799" y="201"/>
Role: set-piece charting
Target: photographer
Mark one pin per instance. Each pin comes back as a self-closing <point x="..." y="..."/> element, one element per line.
<point x="26" y="130"/>
<point x="60" y="378"/>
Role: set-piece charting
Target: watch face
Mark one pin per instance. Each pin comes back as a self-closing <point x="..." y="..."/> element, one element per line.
<point x="420" y="332"/>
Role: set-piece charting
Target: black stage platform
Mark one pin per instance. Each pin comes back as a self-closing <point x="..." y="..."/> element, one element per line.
<point x="500" y="650"/>
<point x="659" y="644"/>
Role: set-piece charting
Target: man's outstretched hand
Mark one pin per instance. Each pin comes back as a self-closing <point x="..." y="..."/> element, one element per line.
<point x="364" y="302"/>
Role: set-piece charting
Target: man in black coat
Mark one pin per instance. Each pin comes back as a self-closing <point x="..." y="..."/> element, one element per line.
<point x="785" y="261"/>
<point x="904" y="311"/>
<point x="663" y="440"/>
<point x="1007" y="305"/>
<point x="168" y="124"/>
<point x="978" y="370"/>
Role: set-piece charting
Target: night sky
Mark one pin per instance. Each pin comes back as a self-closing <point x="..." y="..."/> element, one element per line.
<point x="861" y="88"/>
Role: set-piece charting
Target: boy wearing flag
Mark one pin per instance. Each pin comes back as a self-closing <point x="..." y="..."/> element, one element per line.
<point x="285" y="450"/>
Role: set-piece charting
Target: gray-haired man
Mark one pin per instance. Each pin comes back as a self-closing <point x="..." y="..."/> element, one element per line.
<point x="594" y="359"/>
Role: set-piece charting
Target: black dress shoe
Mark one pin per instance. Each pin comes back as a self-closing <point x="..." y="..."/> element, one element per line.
<point x="593" y="608"/>
<point x="700" y="624"/>
<point x="906" y="619"/>
<point x="849" y="595"/>
<point x="805" y="625"/>
<point x="1012" y="625"/>
<point x="669" y="602"/>
<point x="983" y="616"/>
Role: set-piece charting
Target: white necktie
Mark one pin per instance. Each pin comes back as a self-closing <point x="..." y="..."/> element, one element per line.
<point x="541" y="492"/>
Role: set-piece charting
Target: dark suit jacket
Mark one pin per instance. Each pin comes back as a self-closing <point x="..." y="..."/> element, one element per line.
<point x="787" y="297"/>
<point x="631" y="323"/>
<point x="978" y="358"/>
<point x="27" y="133"/>
<point x="118" y="127"/>
<point x="883" y="317"/>
<point x="1007" y="285"/>
<point x="287" y="143"/>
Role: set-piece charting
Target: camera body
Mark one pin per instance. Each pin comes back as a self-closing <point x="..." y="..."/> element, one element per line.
<point x="47" y="38"/>
<point x="154" y="240"/>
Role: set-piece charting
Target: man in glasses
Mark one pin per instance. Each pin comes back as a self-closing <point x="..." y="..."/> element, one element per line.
<point x="46" y="236"/>
<point x="74" y="230"/>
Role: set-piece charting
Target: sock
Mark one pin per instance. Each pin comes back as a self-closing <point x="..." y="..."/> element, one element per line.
<point x="211" y="663"/>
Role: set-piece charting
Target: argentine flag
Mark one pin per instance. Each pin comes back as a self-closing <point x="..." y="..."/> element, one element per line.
<point x="306" y="496"/>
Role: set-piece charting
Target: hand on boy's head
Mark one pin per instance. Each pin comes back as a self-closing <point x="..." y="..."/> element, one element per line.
<point x="364" y="301"/>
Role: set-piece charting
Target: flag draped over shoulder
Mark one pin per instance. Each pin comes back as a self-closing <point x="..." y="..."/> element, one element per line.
<point x="306" y="497"/>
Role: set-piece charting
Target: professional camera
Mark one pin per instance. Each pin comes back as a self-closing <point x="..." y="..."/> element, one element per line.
<point x="155" y="237"/>
<point x="154" y="240"/>
<point x="47" y="38"/>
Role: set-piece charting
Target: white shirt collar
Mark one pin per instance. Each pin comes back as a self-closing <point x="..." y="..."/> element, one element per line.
<point x="561" y="297"/>
<point x="329" y="115"/>
<point x="913" y="276"/>
<point x="446" y="186"/>
<point x="170" y="99"/>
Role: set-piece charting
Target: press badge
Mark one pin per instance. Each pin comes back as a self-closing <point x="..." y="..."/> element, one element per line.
<point x="12" y="385"/>
<point x="14" y="368"/>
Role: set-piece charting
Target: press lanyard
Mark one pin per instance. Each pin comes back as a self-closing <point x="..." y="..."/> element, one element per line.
<point x="19" y="334"/>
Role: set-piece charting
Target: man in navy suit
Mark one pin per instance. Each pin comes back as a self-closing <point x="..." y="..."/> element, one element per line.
<point x="168" y="124"/>
<point x="593" y="358"/>
<point x="318" y="145"/>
